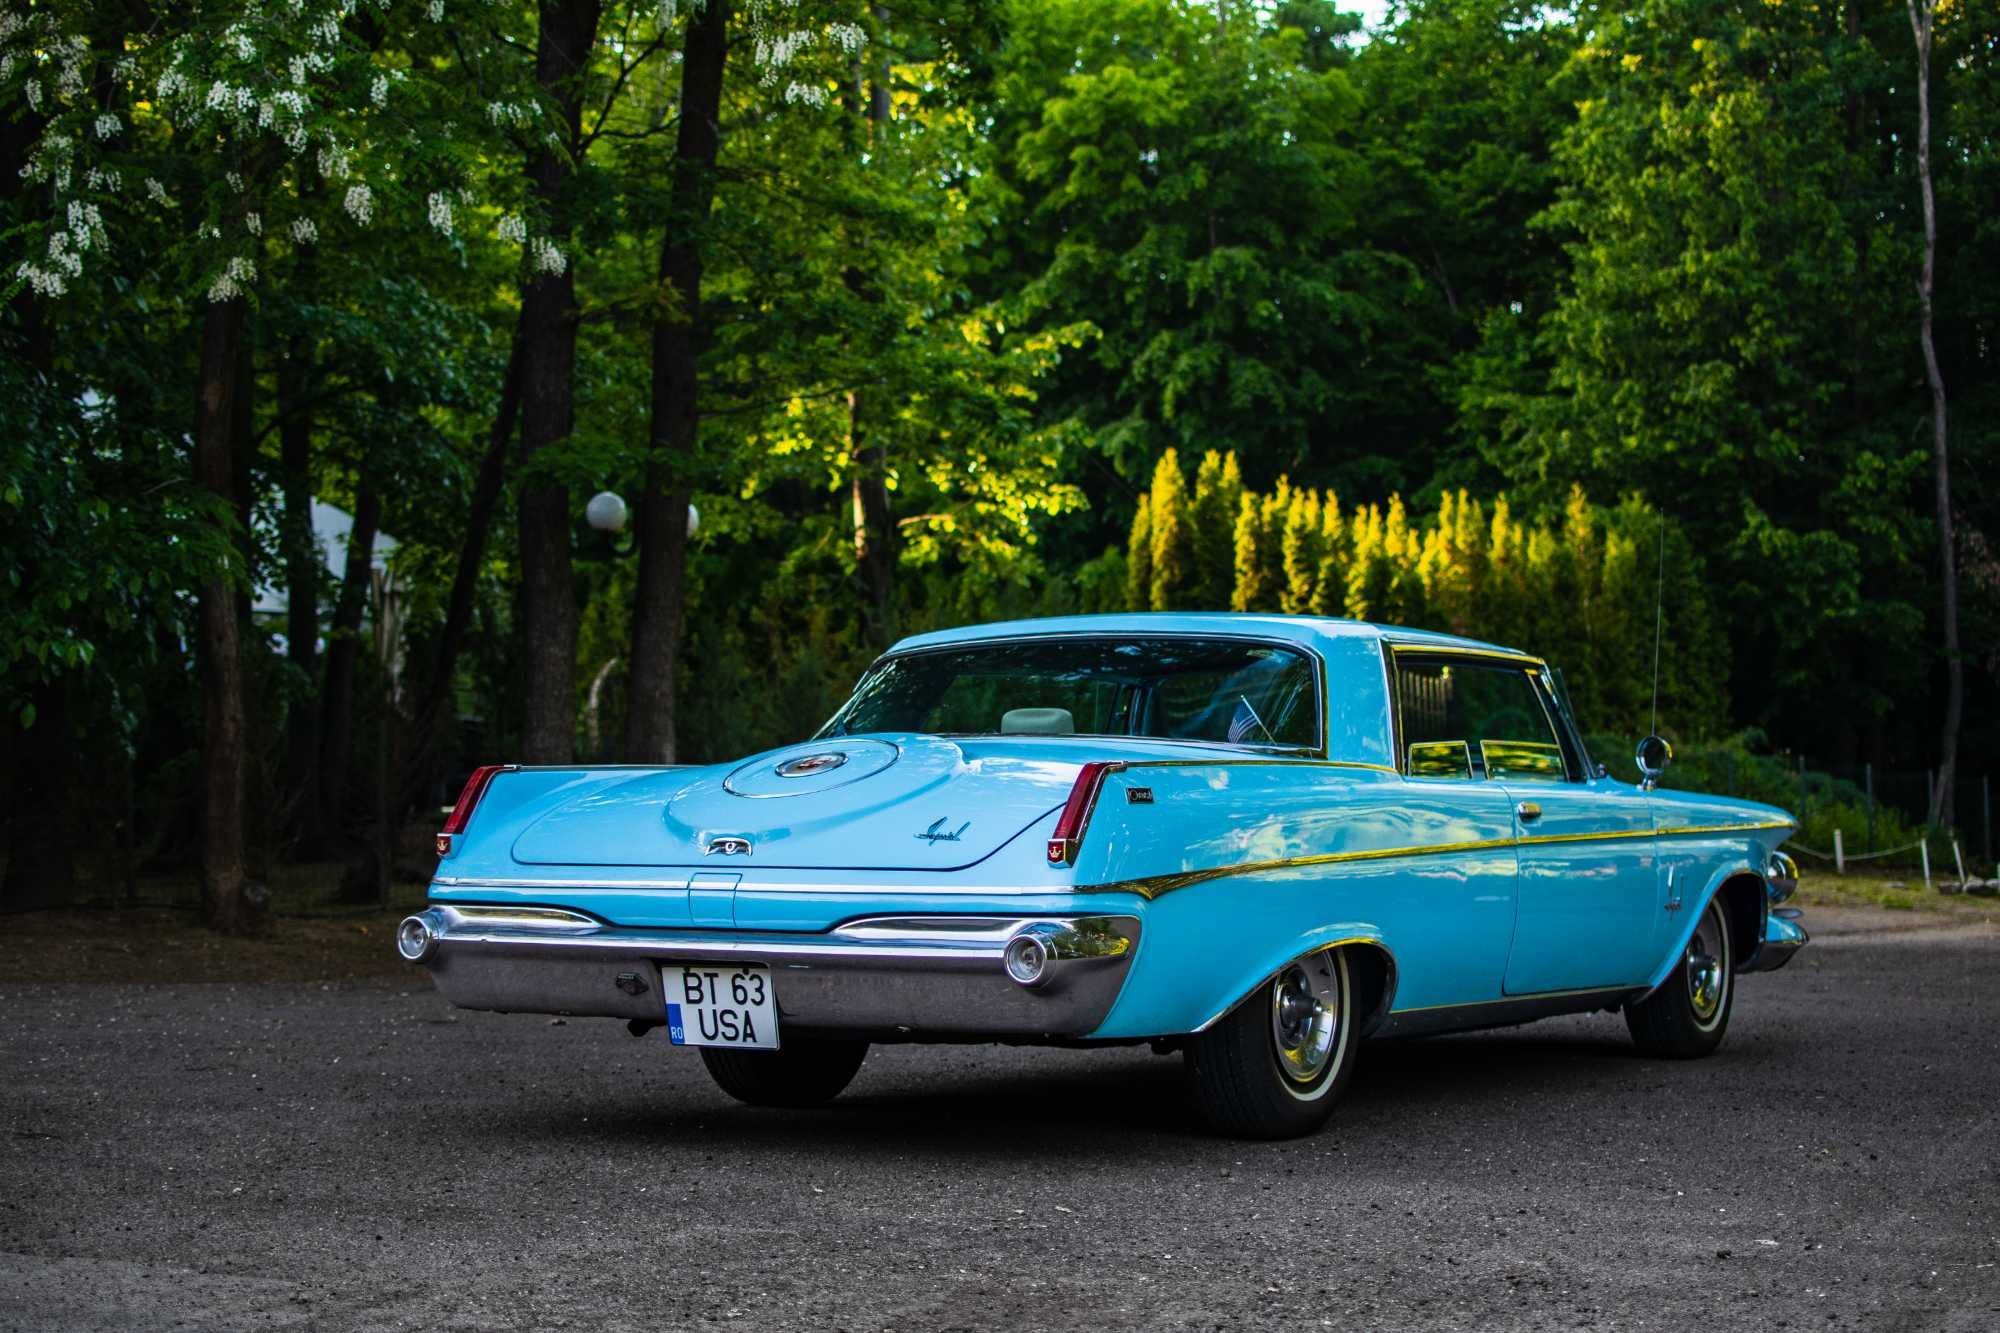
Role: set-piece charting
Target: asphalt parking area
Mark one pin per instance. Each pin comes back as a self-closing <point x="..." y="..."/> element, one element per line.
<point x="361" y="1156"/>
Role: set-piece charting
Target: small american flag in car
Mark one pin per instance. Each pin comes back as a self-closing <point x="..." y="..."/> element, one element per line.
<point x="1243" y="722"/>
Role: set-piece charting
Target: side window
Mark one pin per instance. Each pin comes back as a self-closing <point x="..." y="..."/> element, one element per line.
<point x="1468" y="719"/>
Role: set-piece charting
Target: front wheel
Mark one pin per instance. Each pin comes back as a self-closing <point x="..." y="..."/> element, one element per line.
<point x="1273" y="1067"/>
<point x="1687" y="1015"/>
<point x="804" y="1073"/>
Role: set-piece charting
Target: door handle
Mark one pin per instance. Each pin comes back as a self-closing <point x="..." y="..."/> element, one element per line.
<point x="1528" y="811"/>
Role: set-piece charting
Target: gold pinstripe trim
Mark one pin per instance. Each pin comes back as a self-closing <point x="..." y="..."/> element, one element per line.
<point x="1154" y="886"/>
<point x="1453" y="650"/>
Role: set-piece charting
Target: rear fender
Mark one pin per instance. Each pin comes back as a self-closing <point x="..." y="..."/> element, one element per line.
<point x="1190" y="971"/>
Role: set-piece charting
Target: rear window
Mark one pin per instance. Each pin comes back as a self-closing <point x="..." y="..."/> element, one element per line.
<point x="1217" y="690"/>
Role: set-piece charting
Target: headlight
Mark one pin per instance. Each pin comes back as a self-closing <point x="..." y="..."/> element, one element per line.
<point x="1781" y="877"/>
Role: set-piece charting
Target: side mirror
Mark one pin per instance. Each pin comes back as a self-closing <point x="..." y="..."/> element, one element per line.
<point x="1653" y="756"/>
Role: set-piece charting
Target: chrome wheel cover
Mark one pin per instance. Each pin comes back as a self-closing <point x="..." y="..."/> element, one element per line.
<point x="1306" y="1017"/>
<point x="1707" y="967"/>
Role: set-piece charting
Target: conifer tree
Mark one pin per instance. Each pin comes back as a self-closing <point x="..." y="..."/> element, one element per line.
<point x="1300" y="552"/>
<point x="1271" y="545"/>
<point x="1173" y="538"/>
<point x="1249" y="584"/>
<point x="1369" y="574"/>
<point x="1139" y="556"/>
<point x="1217" y="483"/>
<point x="1330" y="584"/>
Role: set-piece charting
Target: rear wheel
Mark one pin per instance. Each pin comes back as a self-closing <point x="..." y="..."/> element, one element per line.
<point x="803" y="1073"/>
<point x="1686" y="1016"/>
<point x="1274" y="1066"/>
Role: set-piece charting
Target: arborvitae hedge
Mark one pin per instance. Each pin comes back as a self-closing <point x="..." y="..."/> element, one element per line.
<point x="1577" y="588"/>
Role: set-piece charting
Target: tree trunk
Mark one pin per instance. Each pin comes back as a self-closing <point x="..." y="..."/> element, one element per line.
<point x="223" y="750"/>
<point x="656" y="620"/>
<point x="436" y="698"/>
<point x="568" y="29"/>
<point x="874" y="553"/>
<point x="242" y="474"/>
<point x="1923" y="24"/>
<point x="342" y="649"/>
<point x="41" y="863"/>
<point x="302" y="577"/>
<point x="874" y="538"/>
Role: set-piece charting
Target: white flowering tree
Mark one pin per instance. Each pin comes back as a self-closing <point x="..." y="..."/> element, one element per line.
<point x="241" y="131"/>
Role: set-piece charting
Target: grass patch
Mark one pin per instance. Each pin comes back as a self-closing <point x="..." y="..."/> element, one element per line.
<point x="1890" y="892"/>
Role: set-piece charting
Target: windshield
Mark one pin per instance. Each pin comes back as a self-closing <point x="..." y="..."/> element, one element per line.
<point x="1217" y="690"/>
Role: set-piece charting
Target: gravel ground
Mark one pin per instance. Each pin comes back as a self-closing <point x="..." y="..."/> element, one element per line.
<point x="358" y="1155"/>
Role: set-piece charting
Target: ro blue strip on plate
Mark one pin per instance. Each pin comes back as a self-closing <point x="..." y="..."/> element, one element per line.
<point x="674" y="1029"/>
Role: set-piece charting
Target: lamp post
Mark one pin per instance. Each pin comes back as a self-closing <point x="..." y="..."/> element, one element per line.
<point x="607" y="514"/>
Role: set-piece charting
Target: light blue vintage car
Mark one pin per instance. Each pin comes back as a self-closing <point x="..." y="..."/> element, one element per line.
<point x="1256" y="840"/>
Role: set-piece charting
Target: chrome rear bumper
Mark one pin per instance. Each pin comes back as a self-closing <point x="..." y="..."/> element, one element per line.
<point x="885" y="977"/>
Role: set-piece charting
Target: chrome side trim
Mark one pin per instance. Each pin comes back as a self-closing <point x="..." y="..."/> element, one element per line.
<point x="872" y="890"/>
<point x="1153" y="886"/>
<point x="1503" y="1012"/>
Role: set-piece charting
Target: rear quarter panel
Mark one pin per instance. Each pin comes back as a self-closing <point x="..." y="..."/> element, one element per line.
<point x="1238" y="867"/>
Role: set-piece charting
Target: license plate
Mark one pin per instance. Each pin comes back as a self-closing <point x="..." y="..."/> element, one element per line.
<point x="720" y="1005"/>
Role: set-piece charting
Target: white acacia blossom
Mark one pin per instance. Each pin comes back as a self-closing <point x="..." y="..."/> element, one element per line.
<point x="304" y="232"/>
<point x="62" y="264"/>
<point x="360" y="204"/>
<point x="512" y="228"/>
<point x="780" y="40"/>
<point x="544" y="255"/>
<point x="440" y="211"/>
<point x="108" y="125"/>
<point x="228" y="284"/>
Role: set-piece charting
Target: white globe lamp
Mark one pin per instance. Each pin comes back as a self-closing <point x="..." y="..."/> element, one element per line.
<point x="606" y="512"/>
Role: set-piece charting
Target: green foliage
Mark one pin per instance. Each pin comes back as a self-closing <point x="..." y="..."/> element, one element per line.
<point x="1730" y="260"/>
<point x="1185" y="181"/>
<point x="1501" y="322"/>
<point x="101" y="531"/>
<point x="1578" y="589"/>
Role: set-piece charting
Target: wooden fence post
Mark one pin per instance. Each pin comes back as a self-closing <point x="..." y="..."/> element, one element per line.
<point x="1925" y="847"/>
<point x="1868" y="788"/>
<point x="1839" y="855"/>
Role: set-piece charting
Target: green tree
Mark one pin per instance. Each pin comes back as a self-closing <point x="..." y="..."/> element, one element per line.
<point x="1173" y="536"/>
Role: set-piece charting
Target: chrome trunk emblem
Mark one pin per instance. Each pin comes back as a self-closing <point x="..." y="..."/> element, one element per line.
<point x="729" y="847"/>
<point x="936" y="832"/>
<point x="807" y="765"/>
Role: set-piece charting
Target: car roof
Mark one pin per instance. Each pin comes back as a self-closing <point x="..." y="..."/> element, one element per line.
<point x="1300" y="629"/>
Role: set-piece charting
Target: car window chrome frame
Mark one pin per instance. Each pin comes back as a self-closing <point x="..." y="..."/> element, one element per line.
<point x="1575" y="768"/>
<point x="1316" y="660"/>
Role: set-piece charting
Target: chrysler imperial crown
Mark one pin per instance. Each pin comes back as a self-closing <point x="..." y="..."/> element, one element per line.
<point x="1253" y="840"/>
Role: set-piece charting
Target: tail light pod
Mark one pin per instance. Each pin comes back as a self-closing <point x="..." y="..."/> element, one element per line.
<point x="1075" y="816"/>
<point x="475" y="787"/>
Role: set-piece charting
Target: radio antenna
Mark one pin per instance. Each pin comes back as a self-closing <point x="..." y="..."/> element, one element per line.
<point x="1659" y="591"/>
